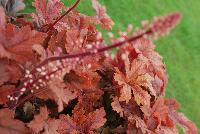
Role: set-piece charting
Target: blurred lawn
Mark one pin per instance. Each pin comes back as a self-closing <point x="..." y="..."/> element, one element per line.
<point x="180" y="50"/>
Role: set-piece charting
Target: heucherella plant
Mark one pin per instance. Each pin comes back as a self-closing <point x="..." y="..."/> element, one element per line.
<point x="59" y="76"/>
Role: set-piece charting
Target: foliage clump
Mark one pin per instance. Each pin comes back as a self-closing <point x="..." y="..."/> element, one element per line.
<point x="57" y="75"/>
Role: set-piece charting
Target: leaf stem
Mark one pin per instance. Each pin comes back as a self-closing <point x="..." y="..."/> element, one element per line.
<point x="68" y="11"/>
<point x="100" y="50"/>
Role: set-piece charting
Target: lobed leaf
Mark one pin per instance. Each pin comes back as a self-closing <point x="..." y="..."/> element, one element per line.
<point x="9" y="125"/>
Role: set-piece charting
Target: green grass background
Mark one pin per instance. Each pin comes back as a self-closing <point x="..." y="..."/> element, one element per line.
<point x="180" y="50"/>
